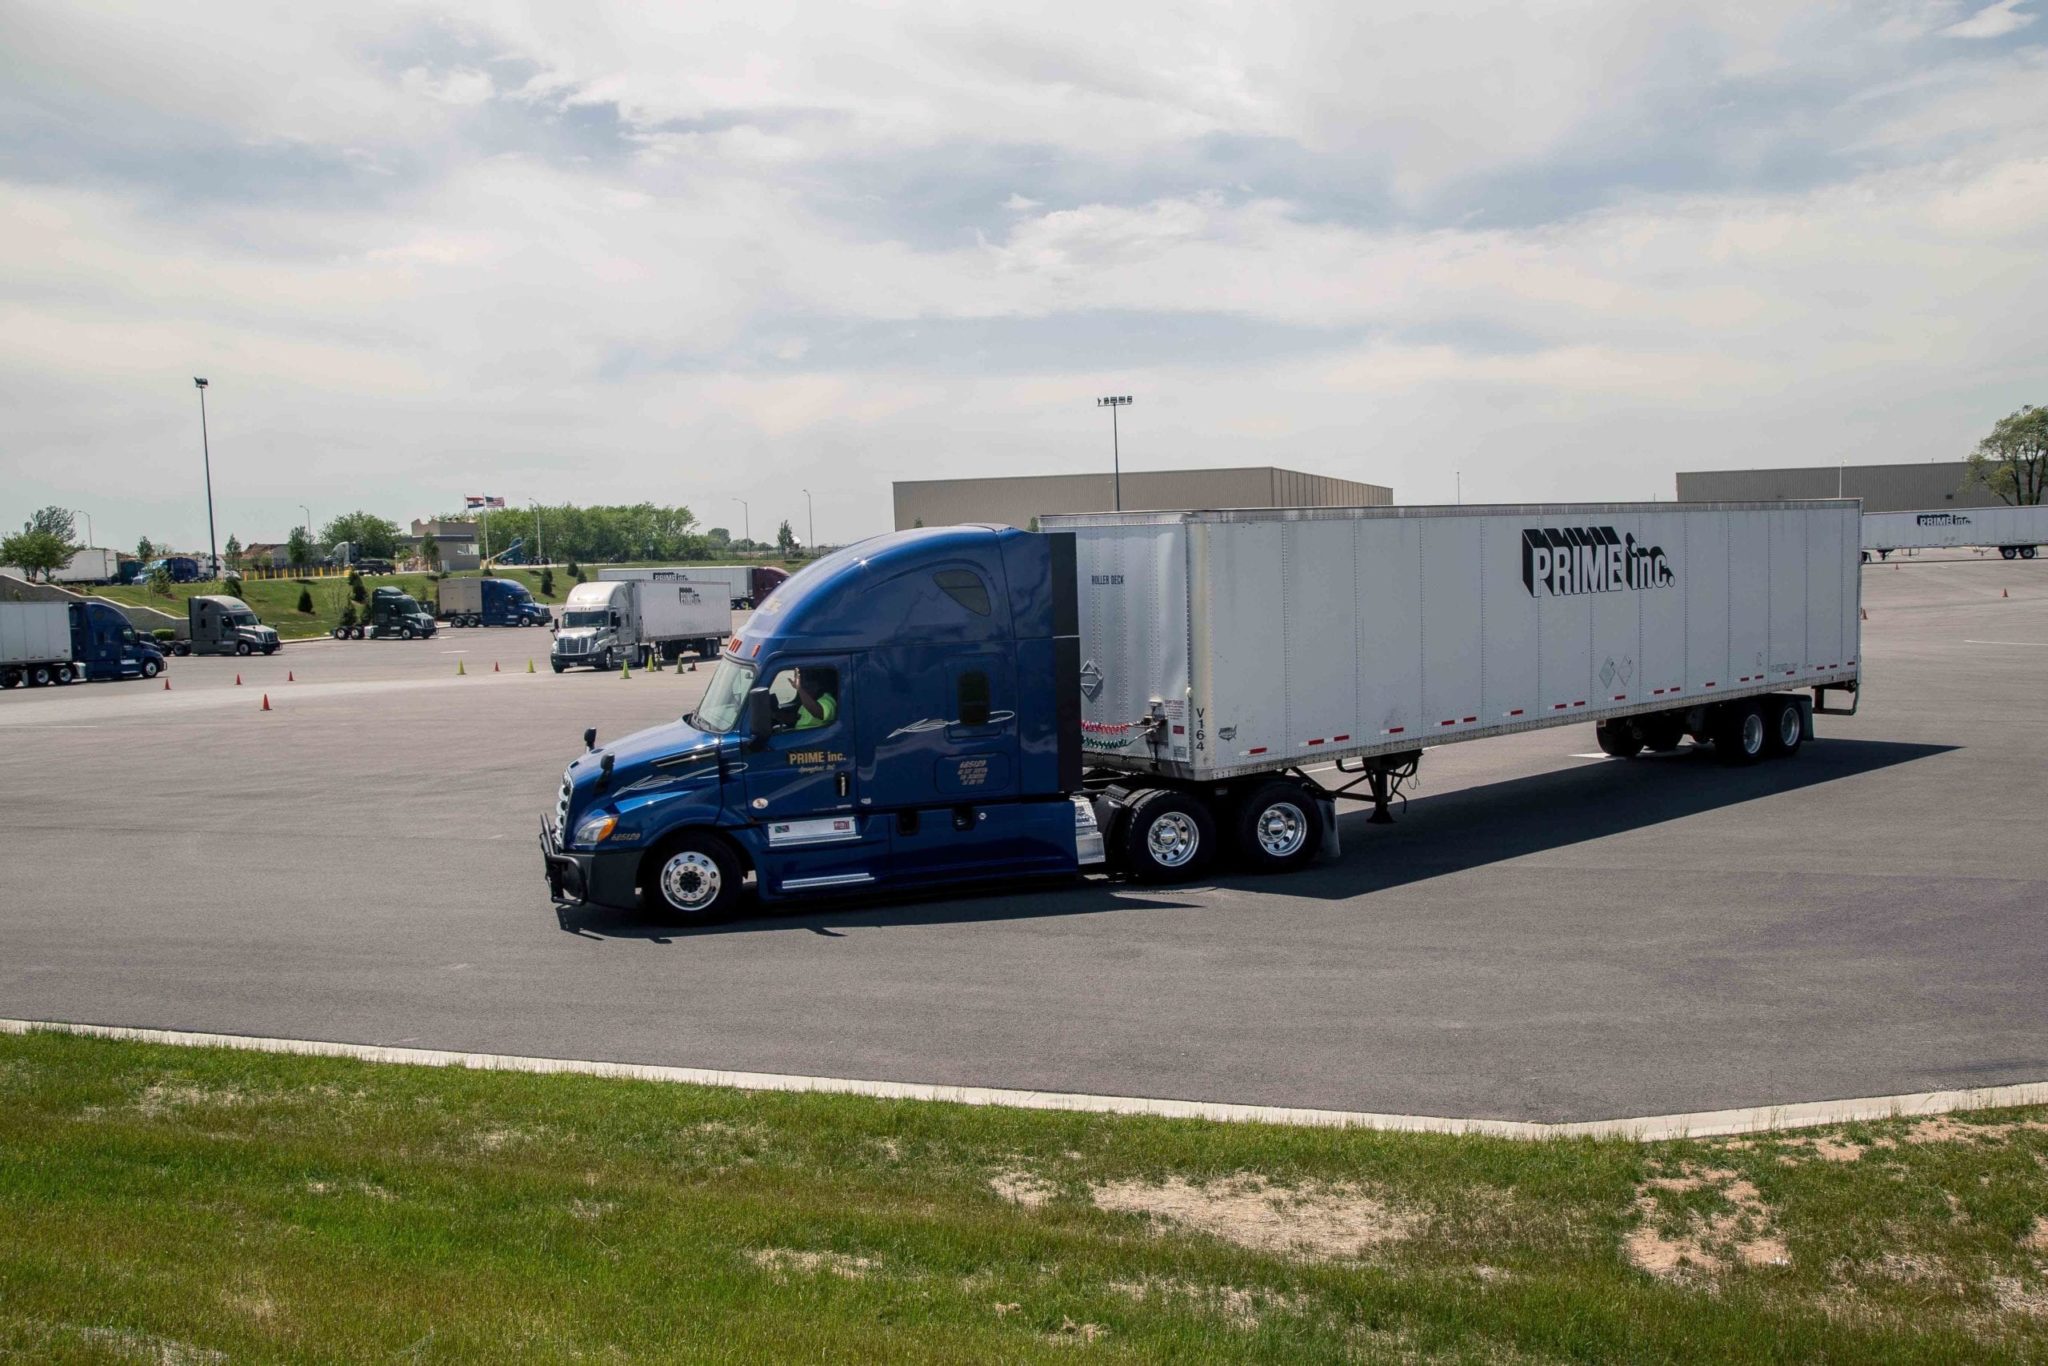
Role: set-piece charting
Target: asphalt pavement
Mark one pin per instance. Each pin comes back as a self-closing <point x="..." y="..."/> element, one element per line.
<point x="1541" y="935"/>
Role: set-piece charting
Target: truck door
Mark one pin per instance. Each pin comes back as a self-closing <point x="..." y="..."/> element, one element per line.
<point x="801" y="787"/>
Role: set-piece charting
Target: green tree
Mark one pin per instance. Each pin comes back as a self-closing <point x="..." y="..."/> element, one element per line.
<point x="371" y="535"/>
<point x="547" y="583"/>
<point x="232" y="585"/>
<point x="59" y="522"/>
<point x="785" y="540"/>
<point x="2012" y="462"/>
<point x="306" y="601"/>
<point x="145" y="550"/>
<point x="430" y="552"/>
<point x="297" y="549"/>
<point x="918" y="522"/>
<point x="160" y="583"/>
<point x="234" y="555"/>
<point x="355" y="587"/>
<point x="36" y="552"/>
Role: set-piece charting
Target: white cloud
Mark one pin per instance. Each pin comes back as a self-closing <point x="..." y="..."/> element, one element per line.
<point x="463" y="85"/>
<point x="1993" y="21"/>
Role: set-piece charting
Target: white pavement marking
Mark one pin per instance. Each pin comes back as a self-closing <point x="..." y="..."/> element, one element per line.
<point x="2037" y="644"/>
<point x="1643" y="1128"/>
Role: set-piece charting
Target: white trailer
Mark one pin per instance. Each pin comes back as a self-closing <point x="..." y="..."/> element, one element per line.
<point x="35" y="644"/>
<point x="745" y="585"/>
<point x="90" y="565"/>
<point x="2016" y="532"/>
<point x="1225" y="648"/>
<point x="633" y="620"/>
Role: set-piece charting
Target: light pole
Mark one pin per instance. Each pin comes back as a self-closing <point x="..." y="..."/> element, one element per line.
<point x="1114" y="402"/>
<point x="206" y="453"/>
<point x="538" y="557"/>
<point x="812" y="515"/>
<point x="88" y="526"/>
<point x="746" y="518"/>
<point x="309" y="528"/>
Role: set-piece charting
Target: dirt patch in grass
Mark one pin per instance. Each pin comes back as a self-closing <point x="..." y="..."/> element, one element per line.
<point x="1703" y="1243"/>
<point x="164" y="1098"/>
<point x="2014" y="1296"/>
<point x="2037" y="1237"/>
<point x="1072" y="1334"/>
<point x="784" y="1262"/>
<point x="1024" y="1188"/>
<point x="1948" y="1129"/>
<point x="1320" y="1222"/>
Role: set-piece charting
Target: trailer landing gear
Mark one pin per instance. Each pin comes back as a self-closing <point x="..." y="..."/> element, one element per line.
<point x="1383" y="777"/>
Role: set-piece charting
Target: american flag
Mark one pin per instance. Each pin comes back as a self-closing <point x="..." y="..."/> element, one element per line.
<point x="477" y="500"/>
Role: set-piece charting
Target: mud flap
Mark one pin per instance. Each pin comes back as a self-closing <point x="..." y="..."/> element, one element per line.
<point x="1326" y="812"/>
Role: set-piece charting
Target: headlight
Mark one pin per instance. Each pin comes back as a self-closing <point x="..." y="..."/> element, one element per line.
<point x="594" y="830"/>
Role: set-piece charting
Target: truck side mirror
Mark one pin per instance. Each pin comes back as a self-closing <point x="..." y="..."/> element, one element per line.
<point x="760" y="717"/>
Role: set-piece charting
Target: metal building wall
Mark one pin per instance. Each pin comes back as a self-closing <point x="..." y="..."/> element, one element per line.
<point x="1016" y="500"/>
<point x="1883" y="488"/>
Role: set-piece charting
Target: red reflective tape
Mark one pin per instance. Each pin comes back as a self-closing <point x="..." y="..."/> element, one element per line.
<point x="1790" y="672"/>
<point x="1340" y="739"/>
<point x="1260" y="750"/>
<point x="1469" y="720"/>
<point x="1710" y="685"/>
<point x="1557" y="706"/>
<point x="1516" y="712"/>
<point x="1452" y="722"/>
<point x="1621" y="697"/>
<point x="1656" y="692"/>
<point x="1315" y="742"/>
<point x="1395" y="730"/>
<point x="1579" y="703"/>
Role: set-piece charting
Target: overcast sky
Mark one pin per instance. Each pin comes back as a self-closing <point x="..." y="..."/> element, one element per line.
<point x="687" y="252"/>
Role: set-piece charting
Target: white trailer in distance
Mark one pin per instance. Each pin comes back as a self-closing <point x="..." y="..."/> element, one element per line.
<point x="2017" y="533"/>
<point x="35" y="644"/>
<point x="606" y="623"/>
<point x="1225" y="652"/>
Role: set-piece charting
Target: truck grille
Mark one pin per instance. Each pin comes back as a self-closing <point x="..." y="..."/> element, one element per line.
<point x="562" y="813"/>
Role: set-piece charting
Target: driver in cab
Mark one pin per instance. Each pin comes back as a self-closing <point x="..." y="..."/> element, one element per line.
<point x="814" y="706"/>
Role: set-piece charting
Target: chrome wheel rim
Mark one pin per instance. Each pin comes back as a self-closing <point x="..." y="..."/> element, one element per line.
<point x="1282" y="829"/>
<point x="1172" y="840"/>
<point x="1789" y="727"/>
<point x="691" y="881"/>
<point x="1752" y="734"/>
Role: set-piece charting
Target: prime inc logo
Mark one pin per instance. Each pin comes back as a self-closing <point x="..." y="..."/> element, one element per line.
<point x="1566" y="561"/>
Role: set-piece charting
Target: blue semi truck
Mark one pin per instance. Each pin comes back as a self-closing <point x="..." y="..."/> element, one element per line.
<point x="55" y="642"/>
<point x="490" y="602"/>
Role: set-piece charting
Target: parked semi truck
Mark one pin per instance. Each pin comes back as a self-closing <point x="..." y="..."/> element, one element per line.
<point x="747" y="585"/>
<point x="2017" y="533"/>
<point x="60" y="642"/>
<point x="490" y="602"/>
<point x="85" y="566"/>
<point x="1150" y="691"/>
<point x="606" y="624"/>
<point x="221" y="625"/>
<point x="390" y="614"/>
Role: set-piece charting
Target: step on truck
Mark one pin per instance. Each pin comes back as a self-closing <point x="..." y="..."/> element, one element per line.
<point x="390" y="614"/>
<point x="1149" y="693"/>
<point x="490" y="602"/>
<point x="2016" y="533"/>
<point x="746" y="585"/>
<point x="43" y="643"/>
<point x="221" y="625"/>
<point x="608" y="624"/>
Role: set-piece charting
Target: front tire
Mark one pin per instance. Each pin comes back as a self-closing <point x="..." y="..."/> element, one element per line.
<point x="1168" y="836"/>
<point x="1742" y="735"/>
<point x="1618" y="738"/>
<point x="558" y="666"/>
<point x="692" y="879"/>
<point x="1278" y="829"/>
<point x="406" y="633"/>
<point x="241" y="647"/>
<point x="150" y="668"/>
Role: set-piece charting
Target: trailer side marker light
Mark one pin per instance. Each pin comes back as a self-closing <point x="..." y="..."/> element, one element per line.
<point x="1516" y="712"/>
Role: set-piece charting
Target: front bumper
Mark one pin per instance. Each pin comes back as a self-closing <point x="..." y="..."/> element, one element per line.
<point x="598" y="879"/>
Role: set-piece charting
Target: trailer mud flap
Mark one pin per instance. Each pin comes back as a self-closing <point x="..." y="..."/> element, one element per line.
<point x="1820" y="707"/>
<point x="1326" y="813"/>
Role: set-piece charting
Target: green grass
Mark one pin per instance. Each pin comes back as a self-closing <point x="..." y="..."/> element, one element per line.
<point x="170" y="1203"/>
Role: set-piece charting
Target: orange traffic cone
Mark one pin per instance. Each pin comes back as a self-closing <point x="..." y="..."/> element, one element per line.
<point x="2003" y="594"/>
<point x="287" y="675"/>
<point x="494" y="666"/>
<point x="238" y="680"/>
<point x="1866" y="614"/>
<point x="266" y="701"/>
<point x="167" y="683"/>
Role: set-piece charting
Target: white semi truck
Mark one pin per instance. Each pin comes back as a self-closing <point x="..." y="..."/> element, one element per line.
<point x="607" y="624"/>
<point x="2017" y="533"/>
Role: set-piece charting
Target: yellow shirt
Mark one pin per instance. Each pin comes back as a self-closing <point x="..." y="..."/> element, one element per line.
<point x="828" y="712"/>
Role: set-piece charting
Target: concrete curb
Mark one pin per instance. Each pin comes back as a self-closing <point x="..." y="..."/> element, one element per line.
<point x="1645" y="1128"/>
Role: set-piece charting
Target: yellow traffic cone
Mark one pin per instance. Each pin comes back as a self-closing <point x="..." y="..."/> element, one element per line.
<point x="625" y="668"/>
<point x="459" y="670"/>
<point x="529" y="666"/>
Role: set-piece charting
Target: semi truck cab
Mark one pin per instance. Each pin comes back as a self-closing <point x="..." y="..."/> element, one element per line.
<point x="221" y="625"/>
<point x="950" y="749"/>
<point x="593" y="629"/>
<point x="106" y="646"/>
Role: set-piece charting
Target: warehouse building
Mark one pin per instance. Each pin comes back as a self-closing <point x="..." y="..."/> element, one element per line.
<point x="1016" y="500"/>
<point x="1883" y="488"/>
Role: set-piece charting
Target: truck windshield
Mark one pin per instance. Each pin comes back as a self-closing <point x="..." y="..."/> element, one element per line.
<point x="726" y="698"/>
<point x="597" y="618"/>
<point x="242" y="618"/>
<point x="404" y="606"/>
